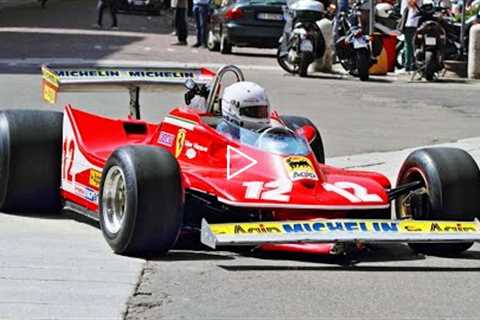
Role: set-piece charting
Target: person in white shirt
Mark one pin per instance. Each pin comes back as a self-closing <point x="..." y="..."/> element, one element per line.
<point x="410" y="8"/>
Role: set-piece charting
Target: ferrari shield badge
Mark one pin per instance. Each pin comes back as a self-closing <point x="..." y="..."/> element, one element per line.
<point x="180" y="142"/>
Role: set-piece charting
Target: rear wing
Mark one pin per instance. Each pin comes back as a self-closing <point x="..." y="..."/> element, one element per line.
<point x="60" y="78"/>
<point x="339" y="230"/>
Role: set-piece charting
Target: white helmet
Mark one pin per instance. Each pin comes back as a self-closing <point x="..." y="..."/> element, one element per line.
<point x="246" y="104"/>
<point x="383" y="10"/>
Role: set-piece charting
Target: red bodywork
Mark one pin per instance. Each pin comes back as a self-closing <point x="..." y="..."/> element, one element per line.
<point x="211" y="165"/>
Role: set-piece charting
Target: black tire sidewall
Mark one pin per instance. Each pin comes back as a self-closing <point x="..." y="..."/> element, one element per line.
<point x="119" y="241"/>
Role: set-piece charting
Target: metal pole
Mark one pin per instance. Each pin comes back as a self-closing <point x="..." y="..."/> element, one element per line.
<point x="462" y="31"/>
<point x="372" y="17"/>
<point x="134" y="102"/>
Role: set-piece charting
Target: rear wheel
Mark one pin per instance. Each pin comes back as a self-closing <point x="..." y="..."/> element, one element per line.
<point x="450" y="181"/>
<point x="294" y="123"/>
<point x="304" y="63"/>
<point x="225" y="45"/>
<point x="30" y="161"/>
<point x="141" y="201"/>
<point x="400" y="52"/>
<point x="429" y="65"/>
<point x="363" y="64"/>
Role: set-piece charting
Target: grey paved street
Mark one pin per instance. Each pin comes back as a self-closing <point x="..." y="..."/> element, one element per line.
<point x="57" y="267"/>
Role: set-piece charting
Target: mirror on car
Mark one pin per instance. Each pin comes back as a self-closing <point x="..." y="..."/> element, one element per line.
<point x="190" y="84"/>
<point x="307" y="131"/>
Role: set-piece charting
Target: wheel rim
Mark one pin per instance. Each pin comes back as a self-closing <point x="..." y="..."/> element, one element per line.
<point x="114" y="200"/>
<point x="413" y="174"/>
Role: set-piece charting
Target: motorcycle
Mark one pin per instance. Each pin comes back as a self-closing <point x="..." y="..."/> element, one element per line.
<point x="356" y="51"/>
<point x="429" y="42"/>
<point x="303" y="39"/>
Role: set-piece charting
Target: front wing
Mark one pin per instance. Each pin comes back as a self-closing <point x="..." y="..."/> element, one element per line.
<point x="339" y="230"/>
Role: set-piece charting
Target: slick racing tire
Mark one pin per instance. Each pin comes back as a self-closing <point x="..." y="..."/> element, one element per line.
<point x="30" y="161"/>
<point x="294" y="123"/>
<point x="141" y="201"/>
<point x="451" y="180"/>
<point x="363" y="64"/>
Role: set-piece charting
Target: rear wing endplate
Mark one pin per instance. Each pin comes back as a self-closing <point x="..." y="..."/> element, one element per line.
<point x="62" y="78"/>
<point x="331" y="231"/>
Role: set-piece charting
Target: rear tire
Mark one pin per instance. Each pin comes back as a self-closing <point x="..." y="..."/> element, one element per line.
<point x="294" y="123"/>
<point x="225" y="45"/>
<point x="142" y="215"/>
<point x="400" y="55"/>
<point x="429" y="66"/>
<point x="452" y="181"/>
<point x="30" y="161"/>
<point x="363" y="64"/>
<point x="303" y="68"/>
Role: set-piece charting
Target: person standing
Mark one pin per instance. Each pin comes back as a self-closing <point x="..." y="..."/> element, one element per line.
<point x="181" y="30"/>
<point x="200" y="11"/>
<point x="411" y="18"/>
<point x="111" y="6"/>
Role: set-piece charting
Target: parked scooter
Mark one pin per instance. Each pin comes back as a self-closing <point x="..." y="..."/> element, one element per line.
<point x="303" y="40"/>
<point x="356" y="50"/>
<point x="429" y="42"/>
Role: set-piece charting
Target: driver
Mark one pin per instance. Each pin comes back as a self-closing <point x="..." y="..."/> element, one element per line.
<point x="244" y="105"/>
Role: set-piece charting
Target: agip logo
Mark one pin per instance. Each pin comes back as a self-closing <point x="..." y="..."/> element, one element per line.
<point x="299" y="167"/>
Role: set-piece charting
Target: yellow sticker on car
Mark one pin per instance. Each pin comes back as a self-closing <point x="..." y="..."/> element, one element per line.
<point x="299" y="167"/>
<point x="95" y="178"/>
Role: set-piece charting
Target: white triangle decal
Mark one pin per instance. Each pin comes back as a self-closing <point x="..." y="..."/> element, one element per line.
<point x="230" y="172"/>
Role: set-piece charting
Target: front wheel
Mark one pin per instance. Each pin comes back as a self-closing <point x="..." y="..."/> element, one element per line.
<point x="429" y="65"/>
<point x="282" y="59"/>
<point x="449" y="190"/>
<point x="363" y="64"/>
<point x="141" y="201"/>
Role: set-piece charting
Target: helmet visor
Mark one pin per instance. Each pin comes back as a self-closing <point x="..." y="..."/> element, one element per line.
<point x="259" y="112"/>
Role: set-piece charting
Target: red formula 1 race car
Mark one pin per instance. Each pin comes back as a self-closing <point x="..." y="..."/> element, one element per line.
<point x="146" y="182"/>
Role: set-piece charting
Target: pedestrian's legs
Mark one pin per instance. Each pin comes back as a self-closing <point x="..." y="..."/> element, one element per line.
<point x="409" y="48"/>
<point x="181" y="24"/>
<point x="203" y="24"/>
<point x="113" y="14"/>
<point x="100" y="8"/>
<point x="197" y="14"/>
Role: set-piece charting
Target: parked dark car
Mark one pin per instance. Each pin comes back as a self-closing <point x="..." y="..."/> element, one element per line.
<point x="151" y="7"/>
<point x="246" y="23"/>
